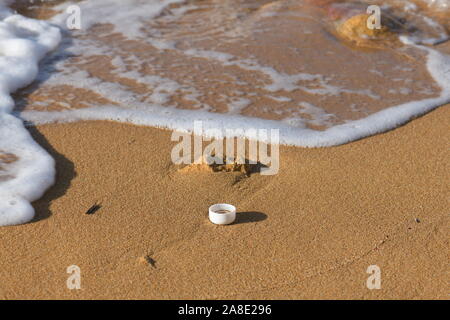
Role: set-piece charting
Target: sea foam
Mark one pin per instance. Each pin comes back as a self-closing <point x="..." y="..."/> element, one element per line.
<point x="151" y="113"/>
<point x="23" y="42"/>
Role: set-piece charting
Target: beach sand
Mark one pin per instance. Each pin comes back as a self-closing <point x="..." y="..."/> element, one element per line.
<point x="311" y="231"/>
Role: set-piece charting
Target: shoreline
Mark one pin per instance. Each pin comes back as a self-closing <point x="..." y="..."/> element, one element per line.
<point x="308" y="232"/>
<point x="136" y="225"/>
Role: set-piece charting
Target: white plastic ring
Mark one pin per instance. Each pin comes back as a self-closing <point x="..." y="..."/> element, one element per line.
<point x="222" y="213"/>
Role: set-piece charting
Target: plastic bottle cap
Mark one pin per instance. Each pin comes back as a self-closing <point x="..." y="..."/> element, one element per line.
<point x="222" y="213"/>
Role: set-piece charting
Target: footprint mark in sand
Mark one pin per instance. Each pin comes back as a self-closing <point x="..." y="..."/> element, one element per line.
<point x="216" y="164"/>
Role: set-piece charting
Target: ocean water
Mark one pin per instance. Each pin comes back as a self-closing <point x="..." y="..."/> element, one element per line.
<point x="231" y="63"/>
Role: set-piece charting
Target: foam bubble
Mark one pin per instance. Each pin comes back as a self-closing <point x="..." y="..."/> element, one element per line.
<point x="23" y="42"/>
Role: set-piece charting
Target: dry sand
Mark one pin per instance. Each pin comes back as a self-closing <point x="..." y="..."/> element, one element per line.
<point x="310" y="231"/>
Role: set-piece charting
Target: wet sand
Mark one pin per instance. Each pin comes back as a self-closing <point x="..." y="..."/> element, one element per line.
<point x="284" y="60"/>
<point x="309" y="232"/>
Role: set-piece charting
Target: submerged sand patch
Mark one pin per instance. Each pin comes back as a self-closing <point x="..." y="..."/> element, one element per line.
<point x="5" y="159"/>
<point x="282" y="61"/>
<point x="214" y="164"/>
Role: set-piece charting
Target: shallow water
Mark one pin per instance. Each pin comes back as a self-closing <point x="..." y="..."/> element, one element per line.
<point x="238" y="63"/>
<point x="278" y="60"/>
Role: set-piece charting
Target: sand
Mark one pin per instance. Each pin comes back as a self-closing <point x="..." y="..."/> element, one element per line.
<point x="311" y="231"/>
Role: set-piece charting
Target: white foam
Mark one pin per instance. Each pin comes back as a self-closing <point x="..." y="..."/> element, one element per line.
<point x="150" y="112"/>
<point x="440" y="4"/>
<point x="23" y="42"/>
<point x="127" y="16"/>
<point x="438" y="66"/>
